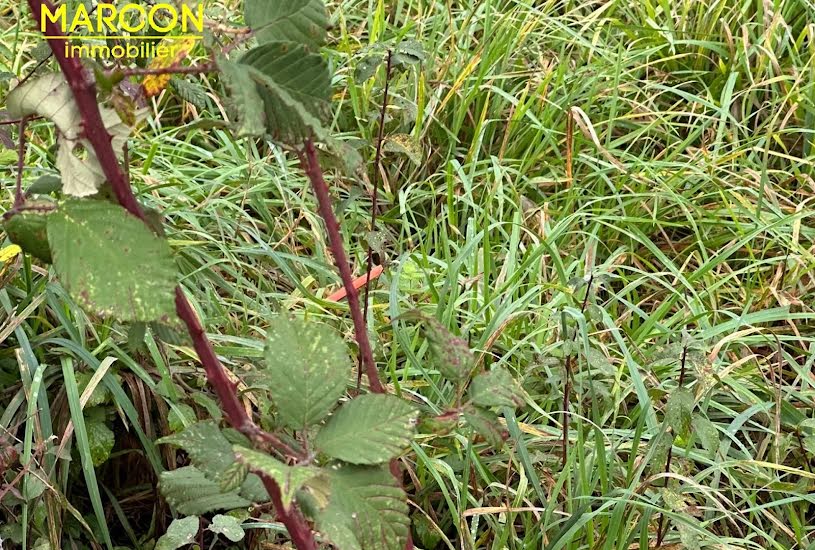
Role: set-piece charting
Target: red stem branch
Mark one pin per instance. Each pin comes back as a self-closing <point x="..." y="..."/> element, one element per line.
<point x="311" y="166"/>
<point x="84" y="92"/>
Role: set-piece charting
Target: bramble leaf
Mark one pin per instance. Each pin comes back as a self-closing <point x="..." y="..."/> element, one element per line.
<point x="206" y="446"/>
<point x="190" y="492"/>
<point x="370" y="429"/>
<point x="228" y="526"/>
<point x="110" y="262"/>
<point x="496" y="388"/>
<point x="679" y="412"/>
<point x="307" y="366"/>
<point x="181" y="532"/>
<point x="367" y="510"/>
<point x="295" y="85"/>
<point x="452" y="353"/>
<point x="244" y="98"/>
<point x="303" y="21"/>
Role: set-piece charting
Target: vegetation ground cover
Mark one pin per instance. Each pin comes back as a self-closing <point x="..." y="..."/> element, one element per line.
<point x="599" y="188"/>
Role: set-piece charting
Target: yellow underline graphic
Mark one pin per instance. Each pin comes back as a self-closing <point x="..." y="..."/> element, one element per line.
<point x="109" y="37"/>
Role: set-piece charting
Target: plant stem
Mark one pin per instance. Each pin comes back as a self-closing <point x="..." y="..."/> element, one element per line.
<point x="374" y="199"/>
<point x="311" y="166"/>
<point x="84" y="92"/>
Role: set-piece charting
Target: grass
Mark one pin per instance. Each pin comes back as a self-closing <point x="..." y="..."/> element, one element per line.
<point x="686" y="196"/>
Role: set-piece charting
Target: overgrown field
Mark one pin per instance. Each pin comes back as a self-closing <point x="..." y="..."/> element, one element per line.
<point x="612" y="199"/>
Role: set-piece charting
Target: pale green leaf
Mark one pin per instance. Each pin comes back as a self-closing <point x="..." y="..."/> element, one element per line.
<point x="307" y="367"/>
<point x="452" y="353"/>
<point x="404" y="144"/>
<point x="48" y="96"/>
<point x="190" y="492"/>
<point x="496" y="388"/>
<point x="289" y="478"/>
<point x="303" y="21"/>
<point x="110" y="262"/>
<point x="244" y="98"/>
<point x="370" y="429"/>
<point x="227" y="526"/>
<point x="295" y="85"/>
<point x="367" y="510"/>
<point x="234" y="476"/>
<point x="181" y="532"/>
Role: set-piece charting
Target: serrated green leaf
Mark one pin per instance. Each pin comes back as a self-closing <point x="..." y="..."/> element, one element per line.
<point x="303" y="21"/>
<point x="244" y="98"/>
<point x="367" y="510"/>
<point x="407" y="53"/>
<point x="227" y="526"/>
<point x="206" y="446"/>
<point x="679" y="412"/>
<point x="370" y="429"/>
<point x="295" y="85"/>
<point x="28" y="229"/>
<point x="289" y="478"/>
<point x="110" y="262"/>
<point x="190" y="492"/>
<point x="234" y="476"/>
<point x="487" y="425"/>
<point x="496" y="388"/>
<point x="707" y="433"/>
<point x="307" y="367"/>
<point x="135" y="336"/>
<point x="190" y="91"/>
<point x="181" y="532"/>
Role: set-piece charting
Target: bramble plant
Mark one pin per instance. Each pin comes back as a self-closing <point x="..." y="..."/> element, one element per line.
<point x="327" y="468"/>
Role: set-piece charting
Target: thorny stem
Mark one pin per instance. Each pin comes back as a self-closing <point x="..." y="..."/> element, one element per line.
<point x="84" y="92"/>
<point x="374" y="199"/>
<point x="311" y="166"/>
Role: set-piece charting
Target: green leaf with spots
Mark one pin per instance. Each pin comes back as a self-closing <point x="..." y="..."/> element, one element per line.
<point x="303" y="21"/>
<point x="100" y="394"/>
<point x="100" y="440"/>
<point x="110" y="262"/>
<point x="289" y="478"/>
<point x="367" y="510"/>
<point x="679" y="412"/>
<point x="228" y="526"/>
<point x="307" y="367"/>
<point x="496" y="388"/>
<point x="370" y="429"/>
<point x="181" y="532"/>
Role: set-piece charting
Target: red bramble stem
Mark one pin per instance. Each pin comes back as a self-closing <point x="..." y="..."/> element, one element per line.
<point x="84" y="91"/>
